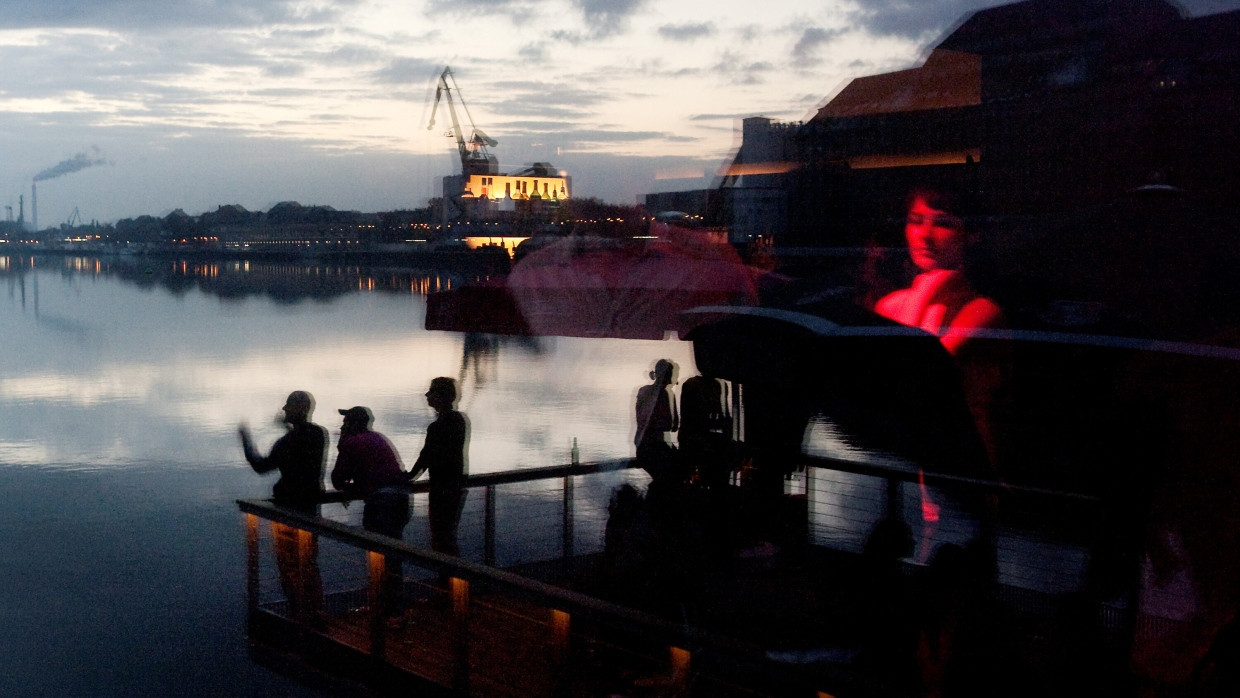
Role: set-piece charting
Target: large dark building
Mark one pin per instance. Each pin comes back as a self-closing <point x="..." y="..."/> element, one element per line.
<point x="1034" y="107"/>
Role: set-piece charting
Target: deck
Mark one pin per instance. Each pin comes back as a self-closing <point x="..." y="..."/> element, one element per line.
<point x="535" y="604"/>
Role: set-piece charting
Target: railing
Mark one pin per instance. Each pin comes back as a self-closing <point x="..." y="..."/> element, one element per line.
<point x="473" y="628"/>
<point x="486" y="631"/>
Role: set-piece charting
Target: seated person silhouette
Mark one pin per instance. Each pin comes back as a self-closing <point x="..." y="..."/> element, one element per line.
<point x="299" y="457"/>
<point x="444" y="458"/>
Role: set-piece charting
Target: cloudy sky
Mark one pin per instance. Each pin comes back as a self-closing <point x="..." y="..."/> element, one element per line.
<point x="127" y="107"/>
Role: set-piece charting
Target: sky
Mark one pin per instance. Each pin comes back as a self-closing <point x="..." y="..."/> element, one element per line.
<point x="121" y="108"/>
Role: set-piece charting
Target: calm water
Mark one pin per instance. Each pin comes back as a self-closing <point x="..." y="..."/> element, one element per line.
<point x="122" y="383"/>
<point x="108" y="367"/>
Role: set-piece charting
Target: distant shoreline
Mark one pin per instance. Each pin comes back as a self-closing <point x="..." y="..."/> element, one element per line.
<point x="491" y="260"/>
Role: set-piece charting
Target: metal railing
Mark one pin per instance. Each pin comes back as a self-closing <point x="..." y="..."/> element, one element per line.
<point x="473" y="627"/>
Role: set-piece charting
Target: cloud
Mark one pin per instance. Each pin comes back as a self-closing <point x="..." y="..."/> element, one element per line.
<point x="548" y="100"/>
<point x="135" y="15"/>
<point x="536" y="52"/>
<point x="284" y="70"/>
<point x="407" y="71"/>
<point x="586" y="135"/>
<point x="517" y="11"/>
<point x="912" y="19"/>
<point x="720" y="117"/>
<point x="473" y="6"/>
<point x="607" y="17"/>
<point x="687" y="32"/>
<point x="739" y="70"/>
<point x="805" y="52"/>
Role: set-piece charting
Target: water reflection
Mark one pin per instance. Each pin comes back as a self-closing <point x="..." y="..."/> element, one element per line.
<point x="106" y="365"/>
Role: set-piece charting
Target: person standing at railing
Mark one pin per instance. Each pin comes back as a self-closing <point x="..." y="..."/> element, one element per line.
<point x="367" y="466"/>
<point x="299" y="455"/>
<point x="444" y="458"/>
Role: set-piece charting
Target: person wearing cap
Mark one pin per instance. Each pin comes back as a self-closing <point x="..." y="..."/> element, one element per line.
<point x="299" y="456"/>
<point x="443" y="457"/>
<point x="368" y="467"/>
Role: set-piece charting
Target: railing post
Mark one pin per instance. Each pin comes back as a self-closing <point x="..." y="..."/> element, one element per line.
<point x="460" y="632"/>
<point x="488" y="526"/>
<point x="568" y="517"/>
<point x="375" y="565"/>
<point x="251" y="562"/>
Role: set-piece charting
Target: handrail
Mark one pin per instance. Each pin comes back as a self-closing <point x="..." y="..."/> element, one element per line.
<point x="508" y="477"/>
<point x="470" y="571"/>
<point x="652" y="628"/>
<point x="912" y="474"/>
<point x="889" y="472"/>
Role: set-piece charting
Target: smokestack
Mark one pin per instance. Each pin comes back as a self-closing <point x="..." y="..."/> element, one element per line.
<point x="34" y="207"/>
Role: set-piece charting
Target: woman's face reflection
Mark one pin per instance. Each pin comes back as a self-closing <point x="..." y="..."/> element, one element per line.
<point x="935" y="238"/>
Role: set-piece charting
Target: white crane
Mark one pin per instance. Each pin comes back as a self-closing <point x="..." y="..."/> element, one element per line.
<point x="474" y="156"/>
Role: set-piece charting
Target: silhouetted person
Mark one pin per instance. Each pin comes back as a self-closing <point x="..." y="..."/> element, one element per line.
<point x="626" y="547"/>
<point x="704" y="438"/>
<point x="299" y="457"/>
<point x="965" y="643"/>
<point x="443" y="457"/>
<point x="367" y="466"/>
<point x="656" y="419"/>
<point x="883" y="599"/>
<point x="366" y="462"/>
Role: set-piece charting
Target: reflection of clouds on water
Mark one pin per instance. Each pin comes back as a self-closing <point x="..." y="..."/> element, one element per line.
<point x="25" y="452"/>
<point x="167" y="378"/>
<point x="126" y="383"/>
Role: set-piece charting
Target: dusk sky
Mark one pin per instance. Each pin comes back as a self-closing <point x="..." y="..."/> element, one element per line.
<point x="125" y="107"/>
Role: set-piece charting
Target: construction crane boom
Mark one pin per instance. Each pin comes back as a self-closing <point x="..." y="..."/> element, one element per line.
<point x="475" y="159"/>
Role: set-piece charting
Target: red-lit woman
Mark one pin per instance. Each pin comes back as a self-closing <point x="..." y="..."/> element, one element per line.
<point x="940" y="300"/>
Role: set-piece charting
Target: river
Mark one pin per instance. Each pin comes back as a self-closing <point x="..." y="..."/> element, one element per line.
<point x="122" y="383"/>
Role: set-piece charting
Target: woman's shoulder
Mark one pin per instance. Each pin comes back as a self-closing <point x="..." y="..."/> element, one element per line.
<point x="890" y="304"/>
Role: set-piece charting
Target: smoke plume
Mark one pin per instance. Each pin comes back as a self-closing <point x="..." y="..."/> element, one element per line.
<point x="78" y="162"/>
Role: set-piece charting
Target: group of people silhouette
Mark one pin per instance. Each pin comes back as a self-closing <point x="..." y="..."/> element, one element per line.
<point x="367" y="467"/>
<point x="703" y="424"/>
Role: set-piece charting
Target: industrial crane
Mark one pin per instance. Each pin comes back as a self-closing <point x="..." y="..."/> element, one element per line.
<point x="474" y="156"/>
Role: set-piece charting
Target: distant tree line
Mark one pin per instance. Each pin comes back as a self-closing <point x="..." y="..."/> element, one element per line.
<point x="288" y="220"/>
